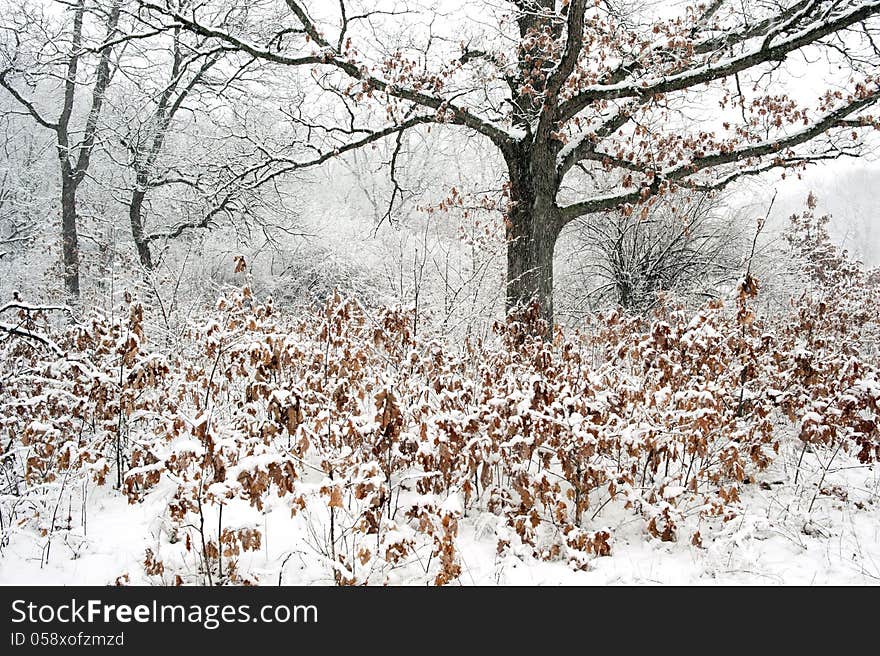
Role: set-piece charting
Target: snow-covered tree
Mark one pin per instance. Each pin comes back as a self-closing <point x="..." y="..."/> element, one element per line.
<point x="591" y="107"/>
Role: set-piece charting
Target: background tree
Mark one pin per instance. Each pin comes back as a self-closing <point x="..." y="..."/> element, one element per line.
<point x="186" y="64"/>
<point x="184" y="112"/>
<point x="20" y="182"/>
<point x="38" y="51"/>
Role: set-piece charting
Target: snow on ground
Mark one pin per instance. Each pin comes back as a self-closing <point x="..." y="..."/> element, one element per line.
<point x="775" y="540"/>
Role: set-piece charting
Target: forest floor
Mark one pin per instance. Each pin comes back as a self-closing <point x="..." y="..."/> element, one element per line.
<point x="824" y="529"/>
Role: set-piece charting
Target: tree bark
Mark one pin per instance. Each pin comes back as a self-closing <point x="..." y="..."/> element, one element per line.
<point x="135" y="215"/>
<point x="69" y="239"/>
<point x="533" y="226"/>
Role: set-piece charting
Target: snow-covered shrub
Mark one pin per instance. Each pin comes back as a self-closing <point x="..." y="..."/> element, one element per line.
<point x="375" y="441"/>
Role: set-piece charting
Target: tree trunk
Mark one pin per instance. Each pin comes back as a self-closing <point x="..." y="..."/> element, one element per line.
<point x="530" y="249"/>
<point x="532" y="229"/>
<point x="135" y="215"/>
<point x="69" y="238"/>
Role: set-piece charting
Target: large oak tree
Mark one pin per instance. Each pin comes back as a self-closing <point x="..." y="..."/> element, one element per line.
<point x="592" y="107"/>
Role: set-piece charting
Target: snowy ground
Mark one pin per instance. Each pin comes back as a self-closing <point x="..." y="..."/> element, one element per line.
<point x="776" y="540"/>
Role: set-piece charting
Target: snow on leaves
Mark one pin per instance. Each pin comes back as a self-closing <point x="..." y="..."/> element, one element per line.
<point x="382" y="441"/>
